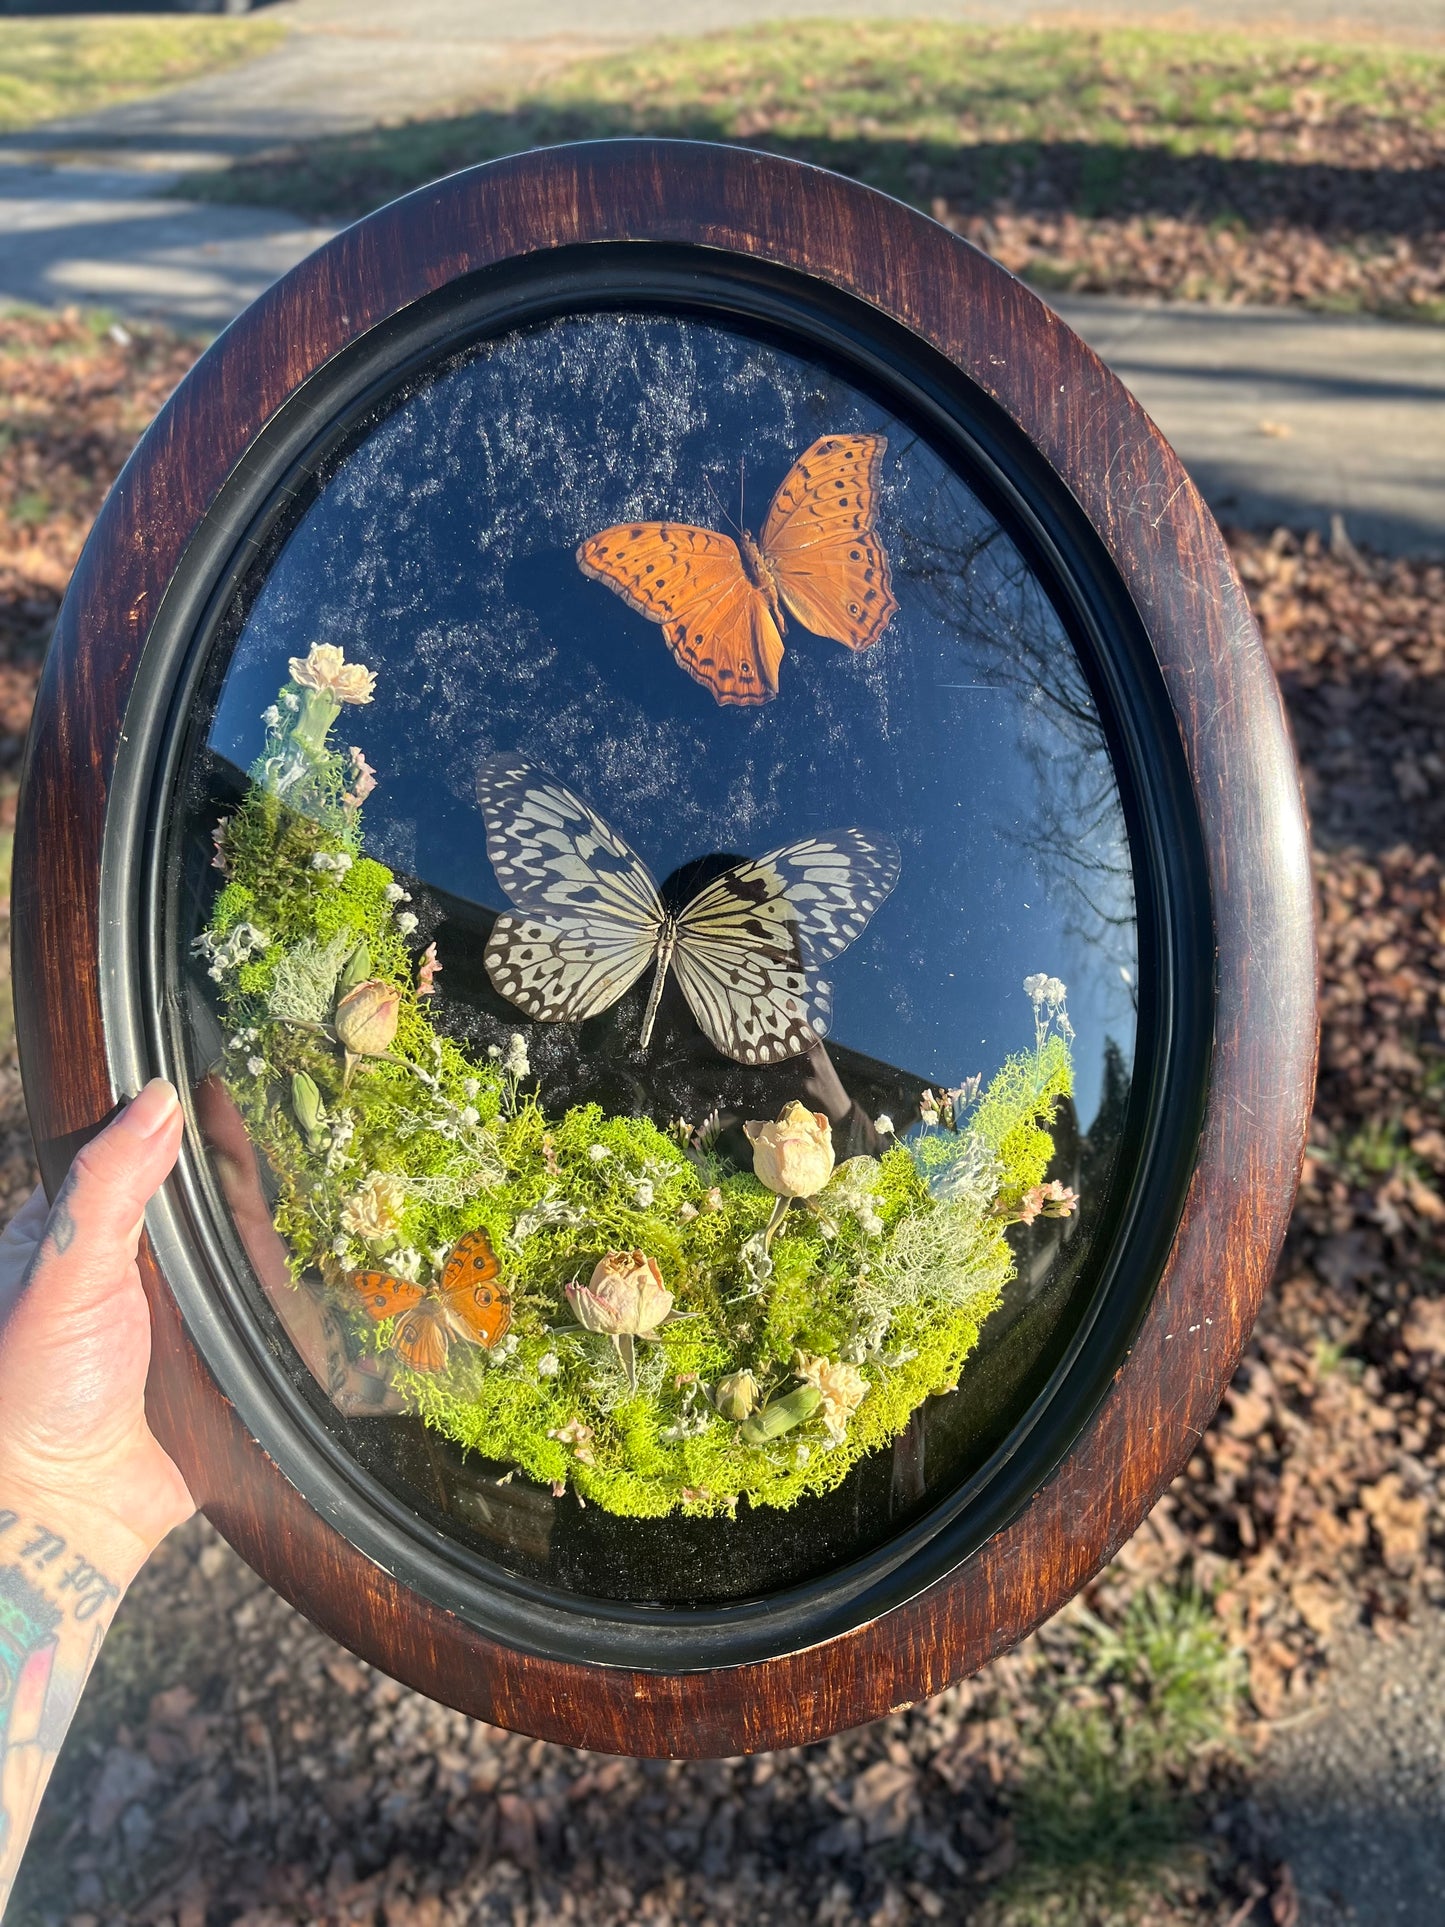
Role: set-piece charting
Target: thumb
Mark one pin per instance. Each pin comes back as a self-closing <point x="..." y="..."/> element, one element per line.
<point x="94" y="1226"/>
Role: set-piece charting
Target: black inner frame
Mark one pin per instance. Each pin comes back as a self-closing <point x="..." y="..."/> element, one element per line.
<point x="199" y="1250"/>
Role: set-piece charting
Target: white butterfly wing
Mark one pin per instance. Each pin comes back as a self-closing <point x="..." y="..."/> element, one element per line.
<point x="740" y="970"/>
<point x="591" y="912"/>
<point x="749" y="942"/>
<point x="834" y="883"/>
<point x="561" y="974"/>
<point x="553" y="854"/>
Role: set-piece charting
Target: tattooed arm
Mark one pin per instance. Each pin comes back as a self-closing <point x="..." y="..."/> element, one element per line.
<point x="86" y="1493"/>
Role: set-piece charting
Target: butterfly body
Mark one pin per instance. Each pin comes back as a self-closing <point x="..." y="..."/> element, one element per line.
<point x="760" y="574"/>
<point x="721" y="603"/>
<point x="469" y="1302"/>
<point x="666" y="948"/>
<point x="746" y="947"/>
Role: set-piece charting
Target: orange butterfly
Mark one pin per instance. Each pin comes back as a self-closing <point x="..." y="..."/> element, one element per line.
<point x="468" y="1303"/>
<point x="721" y="609"/>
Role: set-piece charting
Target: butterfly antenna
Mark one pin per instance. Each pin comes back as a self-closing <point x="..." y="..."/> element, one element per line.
<point x="718" y="499"/>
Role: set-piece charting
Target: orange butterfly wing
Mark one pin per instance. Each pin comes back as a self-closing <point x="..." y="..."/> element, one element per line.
<point x="384" y="1296"/>
<point x="692" y="581"/>
<point x="821" y="542"/>
<point x="476" y="1305"/>
<point x="419" y="1338"/>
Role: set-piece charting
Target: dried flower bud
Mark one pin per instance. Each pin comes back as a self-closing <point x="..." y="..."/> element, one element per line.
<point x="780" y="1415"/>
<point x="736" y="1396"/>
<point x="310" y="1112"/>
<point x="794" y="1156"/>
<point x="365" y="1020"/>
<point x="356" y="970"/>
<point x="626" y="1295"/>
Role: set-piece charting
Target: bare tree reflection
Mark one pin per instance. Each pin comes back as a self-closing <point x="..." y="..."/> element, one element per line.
<point x="976" y="582"/>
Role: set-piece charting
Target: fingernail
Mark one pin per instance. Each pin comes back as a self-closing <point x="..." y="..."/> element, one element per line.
<point x="151" y="1111"/>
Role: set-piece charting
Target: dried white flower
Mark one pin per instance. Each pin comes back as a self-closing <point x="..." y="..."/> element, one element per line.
<point x="271" y="717"/>
<point x="883" y="1124"/>
<point x="256" y="1066"/>
<point x="548" y="1365"/>
<point x="325" y="668"/>
<point x="643" y="1193"/>
<point x="406" y="923"/>
<point x="395" y="894"/>
<point x="517" y="1063"/>
<point x="472" y="1086"/>
<point x="470" y="1116"/>
<point x="598" y="1153"/>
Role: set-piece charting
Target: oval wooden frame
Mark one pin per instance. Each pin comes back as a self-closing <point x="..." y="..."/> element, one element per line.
<point x="1175" y="566"/>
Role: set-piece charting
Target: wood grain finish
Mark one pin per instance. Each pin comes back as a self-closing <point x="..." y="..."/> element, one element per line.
<point x="1175" y="566"/>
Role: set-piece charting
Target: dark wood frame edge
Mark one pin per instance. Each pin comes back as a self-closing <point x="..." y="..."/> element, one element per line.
<point x="1175" y="565"/>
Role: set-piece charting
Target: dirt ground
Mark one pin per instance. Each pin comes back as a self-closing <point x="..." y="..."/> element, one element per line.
<point x="232" y="1765"/>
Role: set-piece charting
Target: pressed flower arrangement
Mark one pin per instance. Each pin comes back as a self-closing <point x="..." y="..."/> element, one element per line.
<point x="590" y="1299"/>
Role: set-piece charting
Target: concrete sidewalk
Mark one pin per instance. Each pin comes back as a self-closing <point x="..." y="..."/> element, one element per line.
<point x="1281" y="416"/>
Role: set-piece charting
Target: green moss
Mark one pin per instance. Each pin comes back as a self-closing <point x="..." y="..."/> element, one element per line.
<point x="880" y="1284"/>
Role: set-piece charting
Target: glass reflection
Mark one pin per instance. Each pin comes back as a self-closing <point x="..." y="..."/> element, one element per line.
<point x="921" y="720"/>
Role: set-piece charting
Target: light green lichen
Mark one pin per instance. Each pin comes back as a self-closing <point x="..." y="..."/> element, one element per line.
<point x="880" y="1283"/>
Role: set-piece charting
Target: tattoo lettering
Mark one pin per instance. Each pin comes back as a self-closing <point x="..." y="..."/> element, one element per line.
<point x="43" y="1548"/>
<point x="92" y="1589"/>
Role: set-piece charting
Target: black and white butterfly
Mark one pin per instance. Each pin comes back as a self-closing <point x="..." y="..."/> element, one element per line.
<point x="746" y="947"/>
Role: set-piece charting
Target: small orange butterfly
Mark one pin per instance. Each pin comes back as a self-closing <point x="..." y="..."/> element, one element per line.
<point x="467" y="1303"/>
<point x="721" y="608"/>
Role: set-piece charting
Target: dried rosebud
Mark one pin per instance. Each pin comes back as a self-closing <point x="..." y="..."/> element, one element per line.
<point x="310" y="1112"/>
<point x="780" y="1415"/>
<point x="793" y="1157"/>
<point x="736" y="1396"/>
<point x="626" y="1296"/>
<point x="365" y="1020"/>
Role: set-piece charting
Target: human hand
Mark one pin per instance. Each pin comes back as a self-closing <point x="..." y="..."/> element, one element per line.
<point x="86" y="1492"/>
<point x="75" y="1346"/>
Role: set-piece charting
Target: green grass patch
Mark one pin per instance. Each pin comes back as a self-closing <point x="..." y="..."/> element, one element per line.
<point x="54" y="68"/>
<point x="916" y="108"/>
<point x="1104" y="1814"/>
